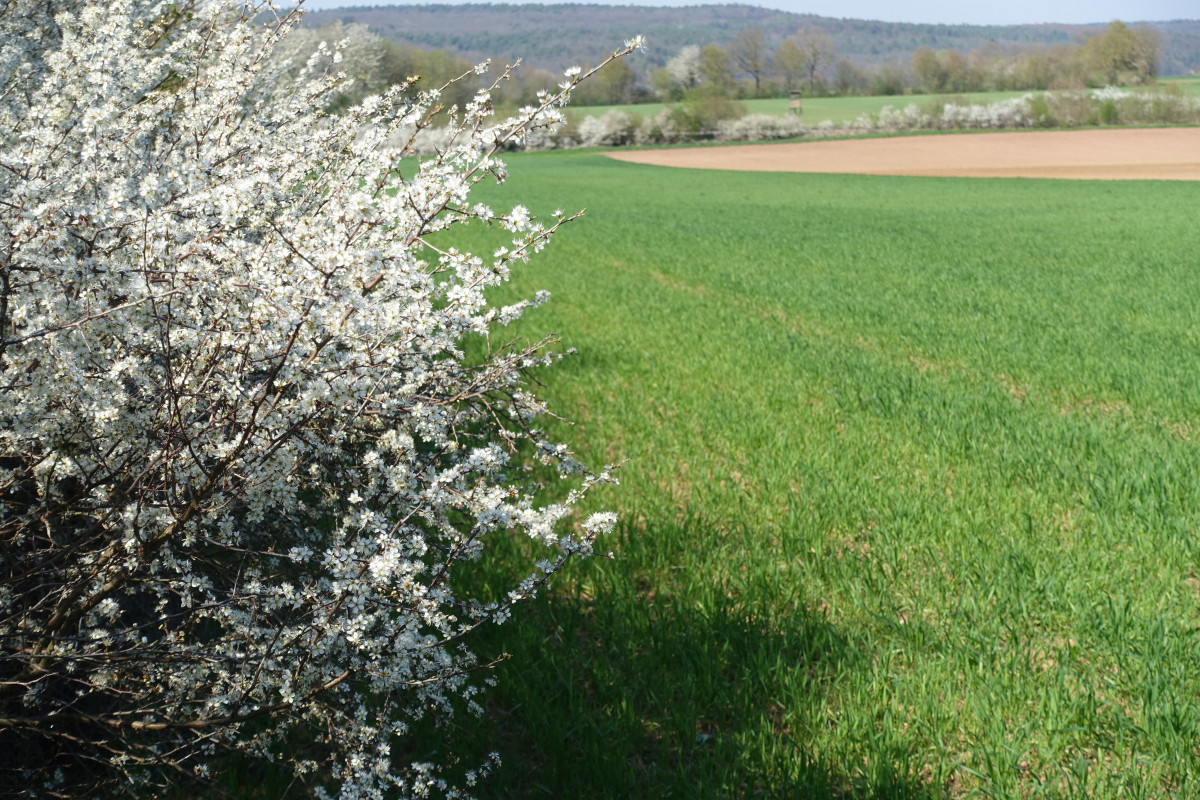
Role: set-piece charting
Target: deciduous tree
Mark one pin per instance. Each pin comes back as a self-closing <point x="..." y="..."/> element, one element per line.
<point x="789" y="62"/>
<point x="849" y="78"/>
<point x="927" y="70"/>
<point x="616" y="82"/>
<point x="816" y="51"/>
<point x="1122" y="54"/>
<point x="685" y="66"/>
<point x="714" y="66"/>
<point x="750" y="54"/>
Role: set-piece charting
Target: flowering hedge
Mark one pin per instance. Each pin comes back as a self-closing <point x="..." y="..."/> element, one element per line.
<point x="242" y="449"/>
<point x="1110" y="105"/>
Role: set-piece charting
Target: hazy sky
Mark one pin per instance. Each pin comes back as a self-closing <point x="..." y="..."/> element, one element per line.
<point x="1007" y="12"/>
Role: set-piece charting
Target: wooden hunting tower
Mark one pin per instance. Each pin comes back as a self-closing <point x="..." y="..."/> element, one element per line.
<point x="794" y="105"/>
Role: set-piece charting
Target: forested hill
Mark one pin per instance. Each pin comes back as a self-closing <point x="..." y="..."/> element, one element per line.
<point x="554" y="36"/>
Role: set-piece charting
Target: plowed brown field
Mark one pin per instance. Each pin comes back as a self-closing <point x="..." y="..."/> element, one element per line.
<point x="1112" y="154"/>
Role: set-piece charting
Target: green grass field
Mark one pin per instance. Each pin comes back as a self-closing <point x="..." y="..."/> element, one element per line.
<point x="847" y="109"/>
<point x="912" y="493"/>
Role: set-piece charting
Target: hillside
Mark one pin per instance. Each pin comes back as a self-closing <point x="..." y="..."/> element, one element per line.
<point x="554" y="36"/>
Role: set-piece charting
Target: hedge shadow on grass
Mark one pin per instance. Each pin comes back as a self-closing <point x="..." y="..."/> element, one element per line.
<point x="617" y="689"/>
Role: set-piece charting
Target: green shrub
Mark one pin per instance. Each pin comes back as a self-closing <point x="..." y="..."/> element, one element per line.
<point x="701" y="111"/>
<point x="1042" y="113"/>
<point x="1108" y="113"/>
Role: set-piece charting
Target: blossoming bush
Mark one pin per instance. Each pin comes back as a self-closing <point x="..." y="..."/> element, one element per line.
<point x="243" y="447"/>
<point x="665" y="127"/>
<point x="611" y="130"/>
<point x="759" y="127"/>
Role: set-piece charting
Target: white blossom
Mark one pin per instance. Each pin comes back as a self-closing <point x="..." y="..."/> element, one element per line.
<point x="242" y="450"/>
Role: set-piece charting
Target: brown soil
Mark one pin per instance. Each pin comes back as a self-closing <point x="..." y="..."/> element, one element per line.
<point x="1110" y="153"/>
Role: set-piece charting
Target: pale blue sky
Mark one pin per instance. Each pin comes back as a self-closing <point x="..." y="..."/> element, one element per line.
<point x="1006" y="12"/>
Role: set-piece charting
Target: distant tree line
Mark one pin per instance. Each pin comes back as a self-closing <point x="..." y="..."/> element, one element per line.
<point x="808" y="62"/>
<point x="712" y="78"/>
<point x="375" y="63"/>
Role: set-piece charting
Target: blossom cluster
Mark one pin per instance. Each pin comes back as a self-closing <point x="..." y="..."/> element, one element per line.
<point x="251" y="416"/>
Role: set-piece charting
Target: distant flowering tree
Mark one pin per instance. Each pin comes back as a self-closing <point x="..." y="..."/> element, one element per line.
<point x="243" y="446"/>
<point x="685" y="66"/>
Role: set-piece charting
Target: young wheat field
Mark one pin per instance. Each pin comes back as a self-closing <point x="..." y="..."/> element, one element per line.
<point x="912" y="497"/>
